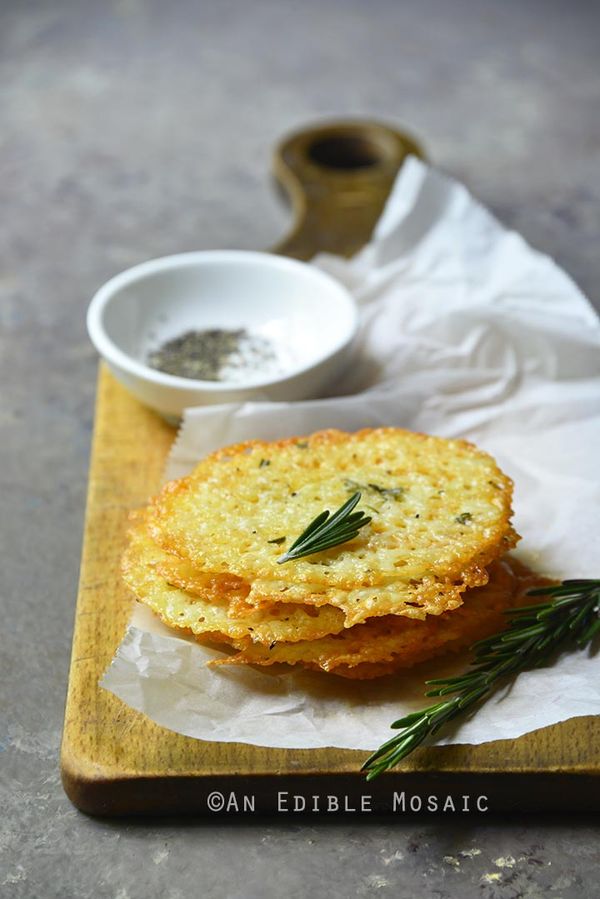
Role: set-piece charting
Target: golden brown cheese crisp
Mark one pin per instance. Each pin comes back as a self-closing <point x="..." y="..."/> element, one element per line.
<point x="440" y="511"/>
<point x="384" y="645"/>
<point x="207" y="614"/>
<point x="429" y="597"/>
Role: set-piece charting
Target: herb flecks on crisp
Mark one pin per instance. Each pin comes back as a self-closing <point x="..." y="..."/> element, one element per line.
<point x="277" y="540"/>
<point x="327" y="530"/>
<point x="464" y="518"/>
<point x="391" y="492"/>
<point x="535" y="632"/>
<point x="264" y="463"/>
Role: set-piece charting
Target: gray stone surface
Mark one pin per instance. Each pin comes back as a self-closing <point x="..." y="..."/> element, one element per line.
<point x="134" y="129"/>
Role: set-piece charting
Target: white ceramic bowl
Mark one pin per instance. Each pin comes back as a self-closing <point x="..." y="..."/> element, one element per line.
<point x="308" y="315"/>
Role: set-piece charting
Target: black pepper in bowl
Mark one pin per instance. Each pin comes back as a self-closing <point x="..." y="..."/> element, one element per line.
<point x="215" y="355"/>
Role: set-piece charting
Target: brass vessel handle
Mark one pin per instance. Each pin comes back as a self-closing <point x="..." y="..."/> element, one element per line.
<point x="338" y="177"/>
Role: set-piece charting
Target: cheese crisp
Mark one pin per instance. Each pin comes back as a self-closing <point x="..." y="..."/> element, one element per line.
<point x="207" y="614"/>
<point x="428" y="597"/>
<point x="439" y="508"/>
<point x="419" y="578"/>
<point x="383" y="645"/>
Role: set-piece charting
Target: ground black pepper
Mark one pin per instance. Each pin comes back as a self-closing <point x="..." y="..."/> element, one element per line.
<point x="214" y="355"/>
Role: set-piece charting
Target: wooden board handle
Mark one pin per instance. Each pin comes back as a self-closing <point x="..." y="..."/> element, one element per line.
<point x="338" y="177"/>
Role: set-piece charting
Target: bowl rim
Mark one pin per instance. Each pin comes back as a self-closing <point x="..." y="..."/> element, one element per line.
<point x="114" y="355"/>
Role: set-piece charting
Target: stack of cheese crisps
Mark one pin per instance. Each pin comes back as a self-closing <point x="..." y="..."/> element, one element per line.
<point x="424" y="577"/>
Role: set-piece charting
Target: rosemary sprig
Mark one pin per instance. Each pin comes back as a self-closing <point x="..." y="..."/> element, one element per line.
<point x="325" y="531"/>
<point x="534" y="633"/>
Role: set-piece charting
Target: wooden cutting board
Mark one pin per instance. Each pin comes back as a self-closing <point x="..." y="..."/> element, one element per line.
<point x="114" y="760"/>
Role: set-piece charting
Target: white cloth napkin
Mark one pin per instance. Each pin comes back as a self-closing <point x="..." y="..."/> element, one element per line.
<point x="466" y="331"/>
